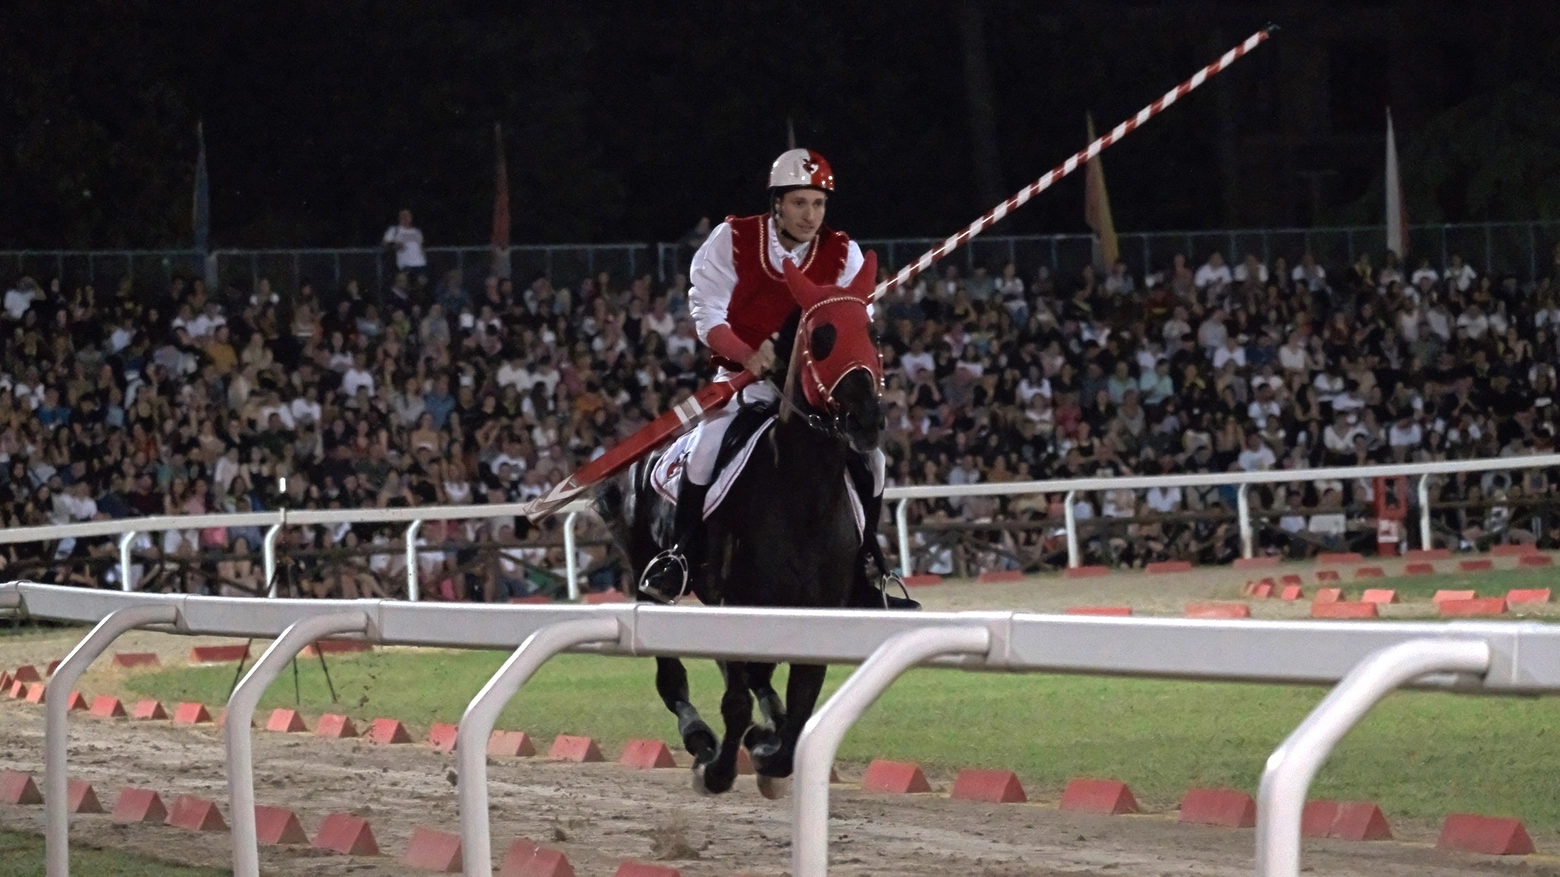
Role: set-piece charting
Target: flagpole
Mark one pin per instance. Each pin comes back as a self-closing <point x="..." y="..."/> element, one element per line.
<point x="200" y="212"/>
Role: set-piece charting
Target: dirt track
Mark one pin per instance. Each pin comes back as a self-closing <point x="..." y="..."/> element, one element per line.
<point x="601" y="814"/>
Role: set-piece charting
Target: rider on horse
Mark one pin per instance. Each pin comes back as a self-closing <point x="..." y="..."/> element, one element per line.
<point x="739" y="301"/>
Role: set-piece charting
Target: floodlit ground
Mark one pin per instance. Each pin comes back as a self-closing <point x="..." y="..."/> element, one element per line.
<point x="1420" y="755"/>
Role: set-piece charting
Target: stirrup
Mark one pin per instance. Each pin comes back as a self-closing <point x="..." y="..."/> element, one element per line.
<point x="649" y="589"/>
<point x="888" y="579"/>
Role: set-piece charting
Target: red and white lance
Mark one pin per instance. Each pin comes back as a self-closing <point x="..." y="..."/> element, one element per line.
<point x="670" y="424"/>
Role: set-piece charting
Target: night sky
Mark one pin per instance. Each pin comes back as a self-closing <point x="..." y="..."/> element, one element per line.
<point x="628" y="121"/>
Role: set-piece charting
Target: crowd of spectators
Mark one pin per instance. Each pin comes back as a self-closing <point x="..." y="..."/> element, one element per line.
<point x="185" y="399"/>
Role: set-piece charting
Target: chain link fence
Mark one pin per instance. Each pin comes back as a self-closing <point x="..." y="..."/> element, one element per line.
<point x="1525" y="249"/>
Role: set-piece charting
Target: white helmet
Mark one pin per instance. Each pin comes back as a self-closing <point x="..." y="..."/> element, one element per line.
<point x="801" y="167"/>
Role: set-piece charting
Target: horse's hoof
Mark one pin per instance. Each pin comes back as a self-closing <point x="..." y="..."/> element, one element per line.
<point x="698" y="781"/>
<point x="700" y="742"/>
<point x="774" y="788"/>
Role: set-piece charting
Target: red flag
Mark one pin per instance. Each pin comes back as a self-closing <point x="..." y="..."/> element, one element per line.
<point x="500" y="205"/>
<point x="1397" y="216"/>
<point x="1096" y="206"/>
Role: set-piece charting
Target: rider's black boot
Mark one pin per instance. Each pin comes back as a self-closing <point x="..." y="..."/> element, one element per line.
<point x="666" y="576"/>
<point x="869" y="588"/>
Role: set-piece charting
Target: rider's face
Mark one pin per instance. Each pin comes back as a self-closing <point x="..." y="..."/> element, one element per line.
<point x="799" y="213"/>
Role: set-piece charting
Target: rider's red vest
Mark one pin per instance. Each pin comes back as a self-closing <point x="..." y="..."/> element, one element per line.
<point x="761" y="302"/>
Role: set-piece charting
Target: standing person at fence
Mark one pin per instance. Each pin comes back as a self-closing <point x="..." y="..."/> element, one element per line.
<point x="406" y="241"/>
<point x="738" y="299"/>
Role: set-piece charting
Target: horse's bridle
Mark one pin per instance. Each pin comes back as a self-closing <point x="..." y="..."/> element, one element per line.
<point x="830" y="422"/>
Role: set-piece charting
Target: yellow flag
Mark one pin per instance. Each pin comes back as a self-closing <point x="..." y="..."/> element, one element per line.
<point x="1096" y="206"/>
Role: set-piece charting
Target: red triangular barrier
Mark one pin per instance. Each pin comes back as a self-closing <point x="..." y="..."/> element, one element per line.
<point x="433" y="851"/>
<point x="286" y="722"/>
<point x="138" y="805"/>
<point x="278" y="825"/>
<point x="510" y="744"/>
<point x="195" y="814"/>
<point x="894" y="777"/>
<point x="646" y="755"/>
<point x="346" y="834"/>
<point x="990" y="786"/>
<point x="80" y="798"/>
<point x="335" y="726"/>
<point x="1111" y="797"/>
<point x="17" y="787"/>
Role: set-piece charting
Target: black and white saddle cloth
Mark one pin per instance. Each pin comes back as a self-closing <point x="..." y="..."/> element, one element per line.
<point x="666" y="476"/>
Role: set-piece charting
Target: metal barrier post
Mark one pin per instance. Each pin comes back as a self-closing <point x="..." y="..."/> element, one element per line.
<point x="125" y="541"/>
<point x="1243" y="510"/>
<point x="902" y="523"/>
<point x="1424" y="512"/>
<point x="821" y="738"/>
<point x="241" y="710"/>
<point x="482" y="713"/>
<point x="571" y="562"/>
<point x="1291" y="767"/>
<point x="411" y="559"/>
<point x="56" y="733"/>
<point x="268" y="553"/>
<point x="1071" y="519"/>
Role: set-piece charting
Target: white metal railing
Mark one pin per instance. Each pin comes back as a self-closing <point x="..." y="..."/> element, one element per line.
<point x="1368" y="658"/>
<point x="127" y="528"/>
<point x="1072" y="487"/>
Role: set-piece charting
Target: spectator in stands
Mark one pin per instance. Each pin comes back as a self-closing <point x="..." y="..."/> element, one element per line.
<point x="1214" y="275"/>
<point x="405" y="241"/>
<point x="157" y="399"/>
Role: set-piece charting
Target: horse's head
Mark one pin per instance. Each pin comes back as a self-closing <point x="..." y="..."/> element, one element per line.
<point x="838" y="363"/>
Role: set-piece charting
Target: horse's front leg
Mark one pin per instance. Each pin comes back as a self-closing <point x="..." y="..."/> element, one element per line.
<point x="736" y="708"/>
<point x="671" y="682"/>
<point x="763" y="739"/>
<point x="801" y="697"/>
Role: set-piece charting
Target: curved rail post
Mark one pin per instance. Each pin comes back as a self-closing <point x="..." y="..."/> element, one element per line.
<point x="477" y="724"/>
<point x="1071" y="519"/>
<point x="902" y="525"/>
<point x="56" y="733"/>
<point x="821" y="737"/>
<point x="1292" y="766"/>
<point x="268" y="554"/>
<point x="411" y="559"/>
<point x="1424" y="513"/>
<point x="1243" y="510"/>
<point x="571" y="563"/>
<point x="241" y="710"/>
<point x="126" y="540"/>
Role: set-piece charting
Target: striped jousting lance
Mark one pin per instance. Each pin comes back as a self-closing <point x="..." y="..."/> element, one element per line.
<point x="996" y="214"/>
<point x="717" y="394"/>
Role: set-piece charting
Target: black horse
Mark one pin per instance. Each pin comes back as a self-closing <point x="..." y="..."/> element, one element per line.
<point x="786" y="535"/>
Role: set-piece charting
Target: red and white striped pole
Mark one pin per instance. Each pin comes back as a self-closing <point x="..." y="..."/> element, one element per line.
<point x="996" y="214"/>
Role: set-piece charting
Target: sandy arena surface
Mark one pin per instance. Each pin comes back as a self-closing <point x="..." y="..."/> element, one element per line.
<point x="601" y="814"/>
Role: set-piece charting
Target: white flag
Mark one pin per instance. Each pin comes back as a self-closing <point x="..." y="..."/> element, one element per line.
<point x="1397" y="219"/>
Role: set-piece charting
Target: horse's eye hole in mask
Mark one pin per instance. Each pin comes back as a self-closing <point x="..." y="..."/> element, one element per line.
<point x="823" y="339"/>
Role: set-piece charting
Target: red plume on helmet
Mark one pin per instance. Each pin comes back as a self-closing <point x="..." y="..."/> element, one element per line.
<point x="835" y="331"/>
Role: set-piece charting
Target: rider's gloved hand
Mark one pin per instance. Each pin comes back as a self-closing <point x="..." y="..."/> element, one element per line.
<point x="762" y="359"/>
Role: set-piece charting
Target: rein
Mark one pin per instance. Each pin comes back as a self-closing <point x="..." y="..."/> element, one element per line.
<point x="828" y="426"/>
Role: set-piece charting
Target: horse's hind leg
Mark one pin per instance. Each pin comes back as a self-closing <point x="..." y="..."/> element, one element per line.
<point x="671" y="682"/>
<point x="736" y="708"/>
<point x="801" y="696"/>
